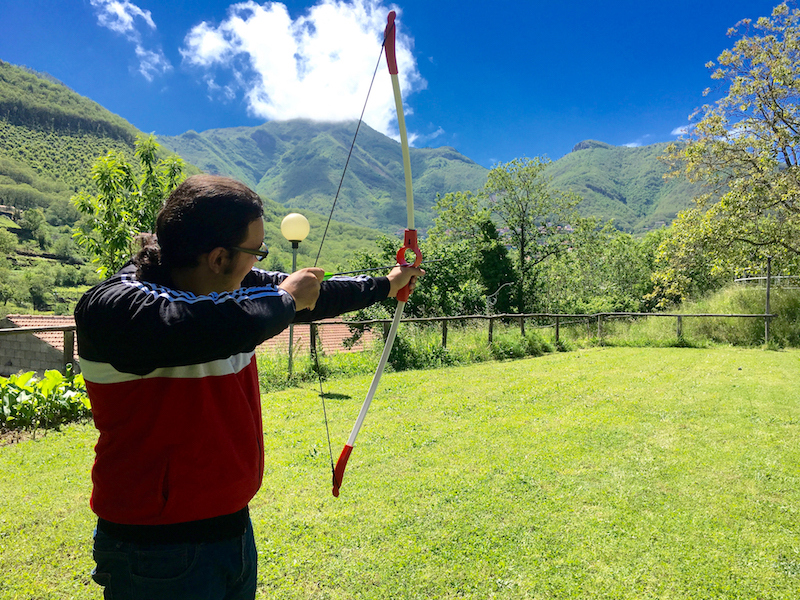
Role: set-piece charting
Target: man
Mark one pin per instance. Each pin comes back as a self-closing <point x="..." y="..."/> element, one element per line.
<point x="167" y="351"/>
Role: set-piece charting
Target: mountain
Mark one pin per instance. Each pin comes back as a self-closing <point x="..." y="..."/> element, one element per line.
<point x="50" y="136"/>
<point x="624" y="184"/>
<point x="299" y="164"/>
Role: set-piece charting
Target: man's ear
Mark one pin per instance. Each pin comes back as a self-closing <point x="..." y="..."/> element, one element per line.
<point x="218" y="260"/>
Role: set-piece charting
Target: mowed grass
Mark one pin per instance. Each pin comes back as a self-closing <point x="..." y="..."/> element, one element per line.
<point x="599" y="473"/>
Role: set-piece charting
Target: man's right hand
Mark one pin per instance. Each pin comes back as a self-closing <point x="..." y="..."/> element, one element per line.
<point x="304" y="286"/>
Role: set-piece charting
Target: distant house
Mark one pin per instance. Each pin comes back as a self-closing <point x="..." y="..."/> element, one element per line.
<point x="35" y="351"/>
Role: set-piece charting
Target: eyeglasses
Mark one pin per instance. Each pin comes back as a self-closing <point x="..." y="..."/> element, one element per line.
<point x="260" y="254"/>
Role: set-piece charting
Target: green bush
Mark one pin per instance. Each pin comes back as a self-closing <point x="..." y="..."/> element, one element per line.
<point x="515" y="346"/>
<point x="30" y="403"/>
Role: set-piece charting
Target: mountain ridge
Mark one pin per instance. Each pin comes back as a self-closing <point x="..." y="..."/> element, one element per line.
<point x="299" y="163"/>
<point x="624" y="184"/>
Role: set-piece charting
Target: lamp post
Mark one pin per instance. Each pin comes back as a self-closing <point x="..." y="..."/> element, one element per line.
<point x="294" y="228"/>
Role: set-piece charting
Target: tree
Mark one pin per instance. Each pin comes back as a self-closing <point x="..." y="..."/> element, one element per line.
<point x="34" y="225"/>
<point x="123" y="205"/>
<point x="536" y="218"/>
<point x="518" y="209"/>
<point x="495" y="267"/>
<point x="604" y="270"/>
<point x="466" y="239"/>
<point x="745" y="148"/>
<point x="8" y="241"/>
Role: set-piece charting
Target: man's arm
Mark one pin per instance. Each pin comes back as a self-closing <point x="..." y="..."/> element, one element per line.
<point x="138" y="327"/>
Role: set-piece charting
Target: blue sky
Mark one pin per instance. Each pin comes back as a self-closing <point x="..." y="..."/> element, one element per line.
<point x="496" y="80"/>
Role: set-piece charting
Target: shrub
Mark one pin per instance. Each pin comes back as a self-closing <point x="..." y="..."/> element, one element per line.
<point x="30" y="403"/>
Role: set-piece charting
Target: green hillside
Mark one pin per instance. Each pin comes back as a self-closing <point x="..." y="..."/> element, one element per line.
<point x="624" y="184"/>
<point x="49" y="138"/>
<point x="299" y="164"/>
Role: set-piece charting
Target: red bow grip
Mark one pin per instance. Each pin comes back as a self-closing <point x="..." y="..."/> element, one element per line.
<point x="409" y="243"/>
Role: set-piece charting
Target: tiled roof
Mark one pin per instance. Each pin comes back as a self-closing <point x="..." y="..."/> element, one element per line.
<point x="331" y="336"/>
<point x="54" y="338"/>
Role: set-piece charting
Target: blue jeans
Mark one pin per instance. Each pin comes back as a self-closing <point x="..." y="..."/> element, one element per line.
<point x="223" y="570"/>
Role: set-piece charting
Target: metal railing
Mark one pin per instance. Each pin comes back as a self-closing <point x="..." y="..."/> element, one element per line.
<point x="787" y="282"/>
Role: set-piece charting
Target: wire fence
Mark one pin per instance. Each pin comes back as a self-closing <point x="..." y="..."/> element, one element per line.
<point x="594" y="324"/>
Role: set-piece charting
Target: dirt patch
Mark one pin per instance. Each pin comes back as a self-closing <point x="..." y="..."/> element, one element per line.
<point x="8" y="438"/>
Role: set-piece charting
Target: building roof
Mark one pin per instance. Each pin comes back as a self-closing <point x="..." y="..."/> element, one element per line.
<point x="54" y="338"/>
<point x="331" y="335"/>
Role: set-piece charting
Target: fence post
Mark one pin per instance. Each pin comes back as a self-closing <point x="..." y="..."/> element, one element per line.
<point x="680" y="327"/>
<point x="766" y="308"/>
<point x="312" y="342"/>
<point x="386" y="328"/>
<point x="522" y="326"/>
<point x="491" y="329"/>
<point x="599" y="327"/>
<point x="556" y="328"/>
<point x="444" y="334"/>
<point x="69" y="348"/>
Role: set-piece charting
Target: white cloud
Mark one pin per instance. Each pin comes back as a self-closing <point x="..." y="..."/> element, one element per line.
<point x="637" y="143"/>
<point x="151" y="63"/>
<point x="119" y="15"/>
<point x="317" y="66"/>
<point x="422" y="138"/>
<point x="682" y="130"/>
<point x="123" y="17"/>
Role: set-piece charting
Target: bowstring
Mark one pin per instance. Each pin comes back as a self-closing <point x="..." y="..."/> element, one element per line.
<point x="350" y="153"/>
<point x="319" y="253"/>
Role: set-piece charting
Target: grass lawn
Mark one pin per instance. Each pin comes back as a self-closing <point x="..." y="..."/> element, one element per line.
<point x="601" y="473"/>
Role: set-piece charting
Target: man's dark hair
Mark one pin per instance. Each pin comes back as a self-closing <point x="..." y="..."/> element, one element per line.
<point x="202" y="213"/>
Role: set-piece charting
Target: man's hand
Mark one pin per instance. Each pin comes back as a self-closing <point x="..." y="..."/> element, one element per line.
<point x="303" y="286"/>
<point x="400" y="277"/>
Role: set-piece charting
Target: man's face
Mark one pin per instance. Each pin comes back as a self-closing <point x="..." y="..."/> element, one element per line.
<point x="241" y="263"/>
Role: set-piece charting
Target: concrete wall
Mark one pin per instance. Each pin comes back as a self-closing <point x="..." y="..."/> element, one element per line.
<point x="25" y="352"/>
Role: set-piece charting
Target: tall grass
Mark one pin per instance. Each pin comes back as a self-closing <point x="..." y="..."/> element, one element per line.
<point x="416" y="347"/>
<point x="701" y="332"/>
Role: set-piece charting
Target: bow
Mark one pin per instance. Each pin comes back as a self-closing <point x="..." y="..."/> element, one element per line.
<point x="409" y="245"/>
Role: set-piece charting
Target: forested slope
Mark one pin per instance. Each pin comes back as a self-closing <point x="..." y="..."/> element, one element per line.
<point x="49" y="138"/>
<point x="624" y="184"/>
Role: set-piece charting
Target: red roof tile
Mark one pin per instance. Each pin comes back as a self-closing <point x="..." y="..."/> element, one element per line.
<point x="331" y="336"/>
<point x="54" y="338"/>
